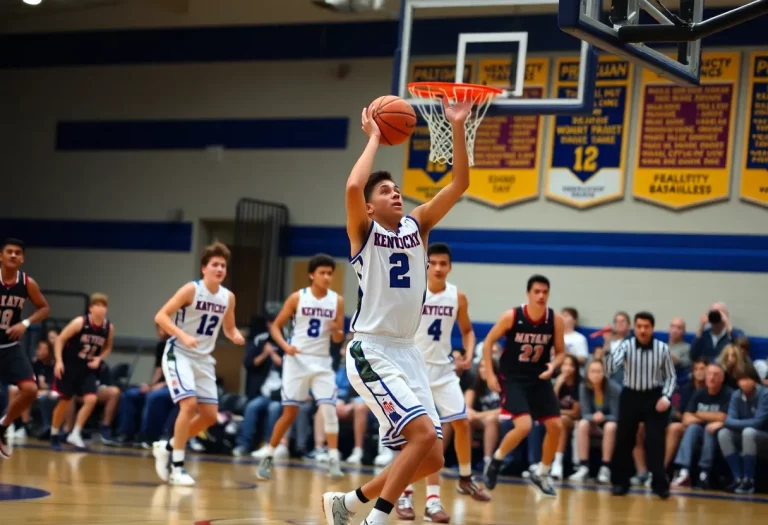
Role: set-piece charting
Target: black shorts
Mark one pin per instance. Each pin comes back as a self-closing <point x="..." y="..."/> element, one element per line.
<point x="15" y="366"/>
<point x="77" y="380"/>
<point x="535" y="397"/>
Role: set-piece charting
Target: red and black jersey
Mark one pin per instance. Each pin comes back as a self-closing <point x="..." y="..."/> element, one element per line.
<point x="529" y="345"/>
<point x="13" y="297"/>
<point x="89" y="342"/>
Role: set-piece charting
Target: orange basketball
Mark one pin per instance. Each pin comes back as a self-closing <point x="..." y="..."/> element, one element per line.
<point x="395" y="117"/>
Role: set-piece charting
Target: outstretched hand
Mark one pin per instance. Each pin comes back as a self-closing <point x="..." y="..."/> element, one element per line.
<point x="457" y="113"/>
<point x="369" y="125"/>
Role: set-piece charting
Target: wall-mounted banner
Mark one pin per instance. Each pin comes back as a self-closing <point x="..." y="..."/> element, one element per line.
<point x="754" y="174"/>
<point x="507" y="148"/>
<point x="684" y="152"/>
<point x="422" y="179"/>
<point x="587" y="163"/>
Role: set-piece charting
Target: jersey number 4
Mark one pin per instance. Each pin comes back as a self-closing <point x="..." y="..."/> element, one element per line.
<point x="398" y="274"/>
<point x="207" y="328"/>
<point x="435" y="329"/>
<point x="525" y="355"/>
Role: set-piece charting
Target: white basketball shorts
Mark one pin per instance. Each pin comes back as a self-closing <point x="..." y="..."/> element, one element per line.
<point x="446" y="391"/>
<point x="303" y="374"/>
<point x="391" y="377"/>
<point x="188" y="376"/>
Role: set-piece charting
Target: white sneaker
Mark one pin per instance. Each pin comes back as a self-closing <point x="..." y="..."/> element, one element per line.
<point x="683" y="479"/>
<point x="356" y="456"/>
<point x="258" y="454"/>
<point x="76" y="440"/>
<point x="604" y="474"/>
<point x="19" y="434"/>
<point x="533" y="468"/>
<point x="580" y="475"/>
<point x="239" y="452"/>
<point x="282" y="452"/>
<point x="557" y="470"/>
<point x="180" y="477"/>
<point x="162" y="459"/>
<point x="384" y="458"/>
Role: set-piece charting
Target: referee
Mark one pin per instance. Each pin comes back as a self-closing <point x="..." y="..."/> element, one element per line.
<point x="649" y="381"/>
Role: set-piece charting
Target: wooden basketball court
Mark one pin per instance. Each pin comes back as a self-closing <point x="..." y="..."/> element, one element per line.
<point x="119" y="486"/>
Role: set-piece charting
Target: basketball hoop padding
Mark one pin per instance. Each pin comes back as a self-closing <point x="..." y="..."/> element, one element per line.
<point x="430" y="97"/>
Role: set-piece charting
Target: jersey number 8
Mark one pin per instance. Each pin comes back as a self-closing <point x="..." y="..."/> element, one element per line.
<point x="5" y="319"/>
<point x="537" y="350"/>
<point x="314" y="328"/>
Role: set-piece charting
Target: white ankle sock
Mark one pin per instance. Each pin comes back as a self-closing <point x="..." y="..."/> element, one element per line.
<point x="270" y="451"/>
<point x="376" y="517"/>
<point x="465" y="470"/>
<point x="177" y="456"/>
<point x="433" y="493"/>
<point x="333" y="453"/>
<point x="352" y="502"/>
<point x="558" y="458"/>
<point x="543" y="469"/>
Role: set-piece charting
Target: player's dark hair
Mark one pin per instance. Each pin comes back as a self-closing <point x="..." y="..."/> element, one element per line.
<point x="573" y="312"/>
<point x="646" y="316"/>
<point x="14" y="242"/>
<point x="537" y="279"/>
<point x="439" y="248"/>
<point x="319" y="260"/>
<point x="375" y="178"/>
<point x="217" y="249"/>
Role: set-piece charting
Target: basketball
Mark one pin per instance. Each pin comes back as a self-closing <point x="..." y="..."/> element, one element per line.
<point x="395" y="117"/>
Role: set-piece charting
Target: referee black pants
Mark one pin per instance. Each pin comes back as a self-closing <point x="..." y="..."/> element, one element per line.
<point x="637" y="407"/>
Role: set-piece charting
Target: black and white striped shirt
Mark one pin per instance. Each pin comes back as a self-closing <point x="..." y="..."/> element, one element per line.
<point x="645" y="367"/>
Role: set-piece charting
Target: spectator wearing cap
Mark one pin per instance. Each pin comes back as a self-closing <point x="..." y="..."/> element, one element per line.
<point x="746" y="429"/>
<point x="715" y="333"/>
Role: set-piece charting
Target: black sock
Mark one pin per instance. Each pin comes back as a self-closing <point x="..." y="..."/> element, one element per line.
<point x="3" y="428"/>
<point x="606" y="464"/>
<point x="361" y="496"/>
<point x="585" y="463"/>
<point x="384" y="506"/>
<point x="465" y="478"/>
<point x="177" y="464"/>
<point x="168" y="446"/>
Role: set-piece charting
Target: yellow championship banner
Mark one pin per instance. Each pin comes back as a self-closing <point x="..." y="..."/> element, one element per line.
<point x="507" y="153"/>
<point x="587" y="163"/>
<point x="754" y="174"/>
<point x="685" y="143"/>
<point x="422" y="179"/>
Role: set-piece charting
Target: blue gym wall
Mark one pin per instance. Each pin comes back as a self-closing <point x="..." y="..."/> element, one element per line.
<point x="105" y="135"/>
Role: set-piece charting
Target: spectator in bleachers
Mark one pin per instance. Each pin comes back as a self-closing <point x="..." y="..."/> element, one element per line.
<point x="745" y="435"/>
<point x="619" y="331"/>
<point x="46" y="399"/>
<point x="140" y="399"/>
<point x="678" y="348"/>
<point x="680" y="402"/>
<point x="599" y="397"/>
<point x="108" y="397"/>
<point x="703" y="418"/>
<point x="567" y="391"/>
<point x="715" y="333"/>
<point x="483" y="409"/>
<point x="732" y="359"/>
<point x="575" y="342"/>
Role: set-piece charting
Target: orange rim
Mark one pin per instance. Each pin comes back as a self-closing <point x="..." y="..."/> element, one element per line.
<point x="453" y="90"/>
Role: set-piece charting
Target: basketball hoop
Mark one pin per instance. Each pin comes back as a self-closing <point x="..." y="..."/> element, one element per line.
<point x="431" y="95"/>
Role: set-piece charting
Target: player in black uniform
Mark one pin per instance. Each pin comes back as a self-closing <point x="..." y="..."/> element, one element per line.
<point x="79" y="350"/>
<point x="15" y="364"/>
<point x="525" y="369"/>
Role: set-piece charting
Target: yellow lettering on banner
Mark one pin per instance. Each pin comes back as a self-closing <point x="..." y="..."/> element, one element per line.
<point x="507" y="152"/>
<point x="684" y="156"/>
<point x="754" y="172"/>
<point x="422" y="179"/>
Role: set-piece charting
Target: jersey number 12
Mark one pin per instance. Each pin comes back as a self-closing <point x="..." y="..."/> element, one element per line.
<point x="211" y="326"/>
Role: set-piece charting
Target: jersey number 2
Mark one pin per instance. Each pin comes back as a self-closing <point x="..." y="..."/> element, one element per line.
<point x="5" y="319"/>
<point x="314" y="328"/>
<point x="435" y="329"/>
<point x="211" y="326"/>
<point x="537" y="350"/>
<point x="398" y="277"/>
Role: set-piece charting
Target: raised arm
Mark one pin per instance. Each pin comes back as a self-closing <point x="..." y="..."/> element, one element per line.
<point x="432" y="212"/>
<point x="183" y="297"/>
<point x="358" y="221"/>
<point x="467" y="332"/>
<point x="502" y="326"/>
<point x="276" y="330"/>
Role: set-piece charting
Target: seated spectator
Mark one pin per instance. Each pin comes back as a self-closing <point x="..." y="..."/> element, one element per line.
<point x="107" y="396"/>
<point x="567" y="392"/>
<point x="715" y="333"/>
<point x="599" y="398"/>
<point x="732" y="359"/>
<point x="46" y="398"/>
<point x="703" y="418"/>
<point x="575" y="342"/>
<point x="483" y="409"/>
<point x="745" y="435"/>
<point x="680" y="402"/>
<point x="678" y="348"/>
<point x="139" y="400"/>
<point x="620" y="330"/>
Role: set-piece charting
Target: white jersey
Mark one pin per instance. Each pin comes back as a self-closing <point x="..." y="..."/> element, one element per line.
<point x="202" y="319"/>
<point x="438" y="315"/>
<point x="392" y="270"/>
<point x="311" y="328"/>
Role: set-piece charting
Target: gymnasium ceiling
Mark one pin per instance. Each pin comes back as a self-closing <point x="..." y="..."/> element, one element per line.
<point x="68" y="15"/>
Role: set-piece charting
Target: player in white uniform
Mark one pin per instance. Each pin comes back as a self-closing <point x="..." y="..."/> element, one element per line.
<point x="444" y="305"/>
<point x="318" y="314"/>
<point x="200" y="309"/>
<point x="383" y="364"/>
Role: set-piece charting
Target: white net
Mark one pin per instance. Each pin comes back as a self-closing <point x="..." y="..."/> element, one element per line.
<point x="440" y="132"/>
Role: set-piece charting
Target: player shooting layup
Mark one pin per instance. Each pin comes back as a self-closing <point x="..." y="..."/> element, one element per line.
<point x="443" y="306"/>
<point x="383" y="364"/>
<point x="200" y="308"/>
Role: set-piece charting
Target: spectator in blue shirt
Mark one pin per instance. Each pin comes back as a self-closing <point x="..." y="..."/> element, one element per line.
<point x="746" y="429"/>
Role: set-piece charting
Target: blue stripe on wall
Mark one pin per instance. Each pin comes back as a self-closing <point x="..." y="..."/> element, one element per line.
<point x="302" y="41"/>
<point x="100" y="235"/>
<point x="727" y="253"/>
<point x="303" y="133"/>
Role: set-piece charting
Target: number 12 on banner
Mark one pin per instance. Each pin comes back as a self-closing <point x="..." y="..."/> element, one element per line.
<point x="585" y="159"/>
